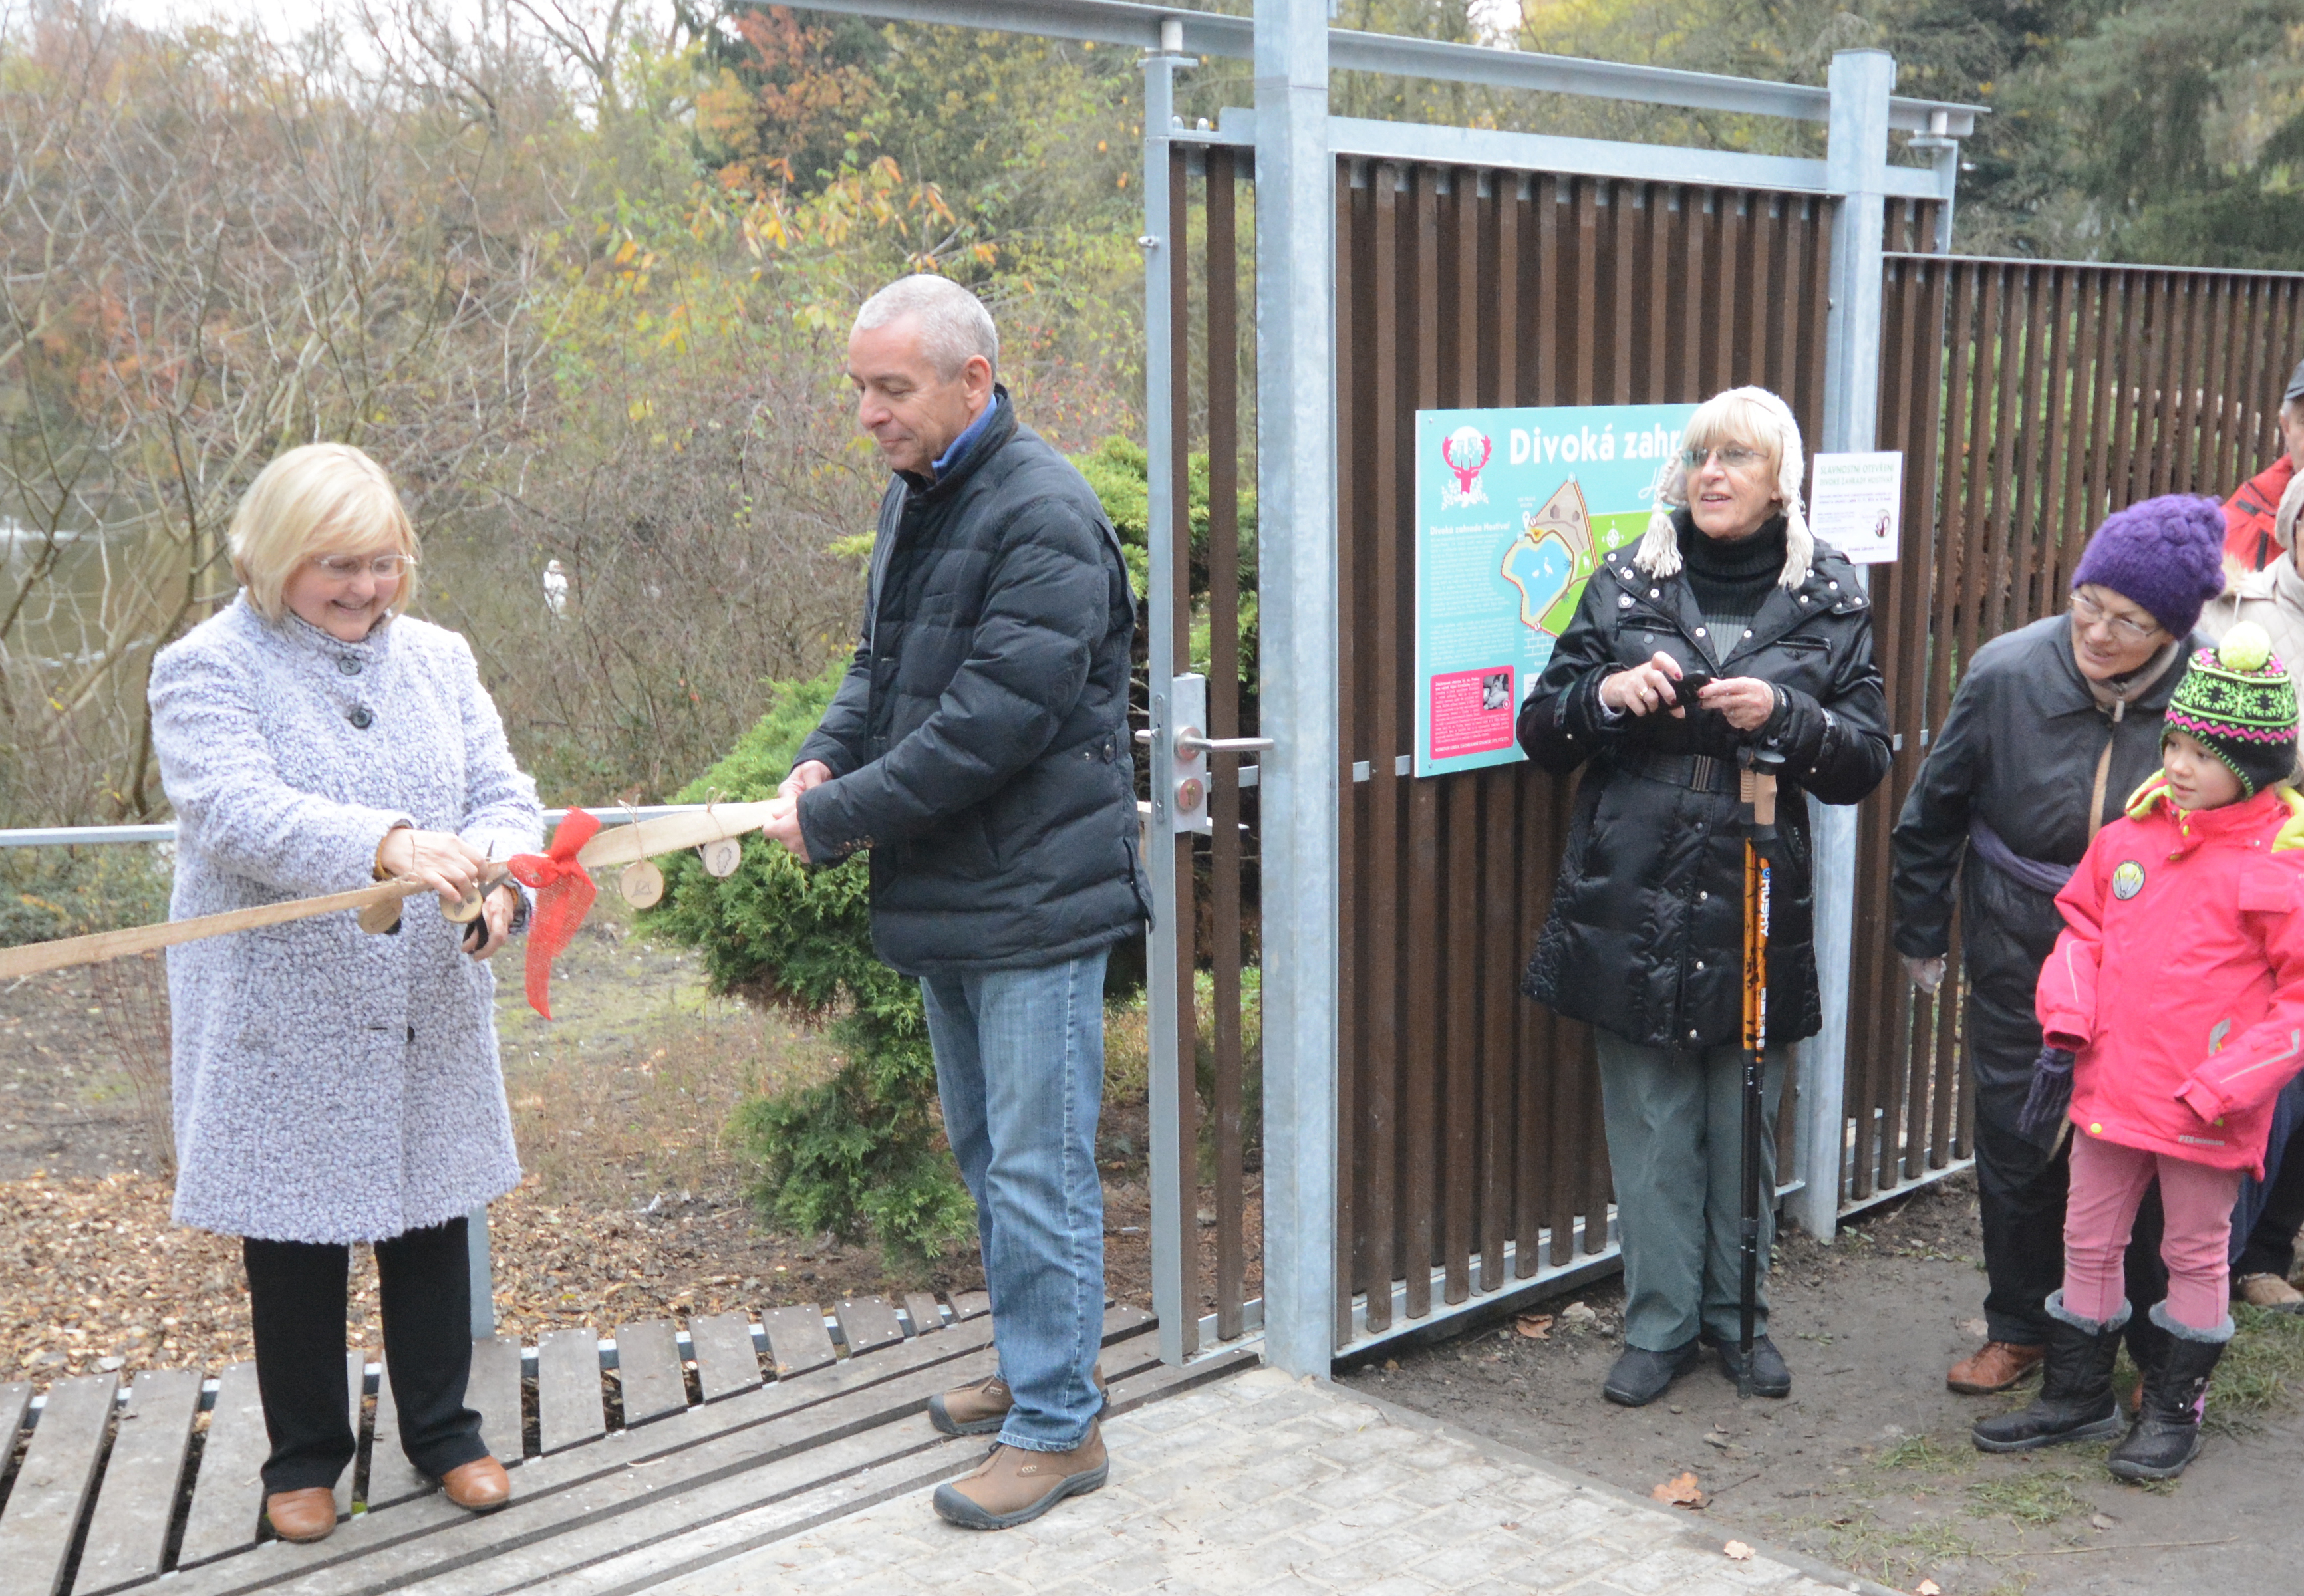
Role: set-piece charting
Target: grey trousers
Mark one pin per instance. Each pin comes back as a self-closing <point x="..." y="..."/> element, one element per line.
<point x="1676" y="1124"/>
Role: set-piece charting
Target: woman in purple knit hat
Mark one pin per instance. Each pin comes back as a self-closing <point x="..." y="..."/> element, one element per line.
<point x="2052" y="728"/>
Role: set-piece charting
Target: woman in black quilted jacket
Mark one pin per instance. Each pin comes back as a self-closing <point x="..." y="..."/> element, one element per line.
<point x="1645" y="939"/>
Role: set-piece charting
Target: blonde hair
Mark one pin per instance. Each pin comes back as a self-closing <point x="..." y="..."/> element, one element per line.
<point x="1752" y="416"/>
<point x="317" y="498"/>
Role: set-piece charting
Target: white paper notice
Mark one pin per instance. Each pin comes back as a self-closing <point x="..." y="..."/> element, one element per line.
<point x="1856" y="505"/>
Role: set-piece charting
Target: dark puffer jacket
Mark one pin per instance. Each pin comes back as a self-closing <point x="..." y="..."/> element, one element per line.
<point x="1645" y="934"/>
<point x="979" y="743"/>
<point x="2019" y="749"/>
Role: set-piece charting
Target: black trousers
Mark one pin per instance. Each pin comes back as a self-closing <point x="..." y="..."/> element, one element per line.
<point x="2271" y="1248"/>
<point x="296" y="1297"/>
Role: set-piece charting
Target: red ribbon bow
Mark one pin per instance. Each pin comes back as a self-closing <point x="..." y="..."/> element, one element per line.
<point x="564" y="897"/>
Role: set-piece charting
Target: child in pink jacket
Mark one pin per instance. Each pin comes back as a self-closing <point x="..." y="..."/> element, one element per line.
<point x="2173" y="1009"/>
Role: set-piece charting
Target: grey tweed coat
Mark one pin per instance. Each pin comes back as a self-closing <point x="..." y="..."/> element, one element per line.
<point x="330" y="1086"/>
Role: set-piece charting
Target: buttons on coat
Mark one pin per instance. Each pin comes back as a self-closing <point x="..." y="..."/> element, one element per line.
<point x="1704" y="897"/>
<point x="1699" y="963"/>
<point x="348" y="665"/>
<point x="361" y="718"/>
<point x="1623" y="601"/>
<point x="1748" y="631"/>
<point x="1699" y="631"/>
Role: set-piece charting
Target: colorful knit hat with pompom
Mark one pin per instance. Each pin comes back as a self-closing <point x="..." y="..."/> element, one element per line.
<point x="2238" y="702"/>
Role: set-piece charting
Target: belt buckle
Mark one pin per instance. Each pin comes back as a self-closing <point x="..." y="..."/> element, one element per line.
<point x="1703" y="772"/>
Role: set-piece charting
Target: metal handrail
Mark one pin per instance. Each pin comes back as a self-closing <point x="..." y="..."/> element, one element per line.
<point x="76" y="836"/>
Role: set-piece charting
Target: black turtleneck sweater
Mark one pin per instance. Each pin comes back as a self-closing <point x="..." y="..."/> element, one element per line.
<point x="1730" y="580"/>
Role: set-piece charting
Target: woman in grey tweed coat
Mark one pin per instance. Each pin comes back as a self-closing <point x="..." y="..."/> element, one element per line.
<point x="332" y="1087"/>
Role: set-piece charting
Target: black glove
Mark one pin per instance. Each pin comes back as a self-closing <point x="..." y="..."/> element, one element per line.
<point x="2050" y="1096"/>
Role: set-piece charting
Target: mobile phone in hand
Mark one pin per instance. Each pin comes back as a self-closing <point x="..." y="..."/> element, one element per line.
<point x="1688" y="686"/>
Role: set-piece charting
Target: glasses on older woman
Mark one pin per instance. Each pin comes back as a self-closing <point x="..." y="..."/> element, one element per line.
<point x="2087" y="611"/>
<point x="343" y="568"/>
<point x="1736" y="457"/>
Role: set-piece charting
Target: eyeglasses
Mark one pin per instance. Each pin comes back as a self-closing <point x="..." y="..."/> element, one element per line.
<point x="343" y="568"/>
<point x="2087" y="611"/>
<point x="1734" y="456"/>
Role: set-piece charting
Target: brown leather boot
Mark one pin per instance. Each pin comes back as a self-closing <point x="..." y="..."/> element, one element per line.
<point x="480" y="1486"/>
<point x="1993" y="1367"/>
<point x="2269" y="1291"/>
<point x="1013" y="1486"/>
<point x="306" y="1515"/>
<point x="981" y="1409"/>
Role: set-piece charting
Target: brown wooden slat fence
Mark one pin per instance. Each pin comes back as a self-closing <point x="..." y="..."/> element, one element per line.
<point x="1469" y="1117"/>
<point x="2030" y="399"/>
<point x="1216" y="1148"/>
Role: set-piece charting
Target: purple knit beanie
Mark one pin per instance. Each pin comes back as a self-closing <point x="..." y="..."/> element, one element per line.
<point x="2166" y="554"/>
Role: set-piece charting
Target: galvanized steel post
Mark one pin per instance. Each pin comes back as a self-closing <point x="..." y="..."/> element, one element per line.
<point x="1296" y="533"/>
<point x="1174" y="1208"/>
<point x="1856" y="163"/>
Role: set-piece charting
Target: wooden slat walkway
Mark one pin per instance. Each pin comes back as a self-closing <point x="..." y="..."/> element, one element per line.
<point x="743" y="1454"/>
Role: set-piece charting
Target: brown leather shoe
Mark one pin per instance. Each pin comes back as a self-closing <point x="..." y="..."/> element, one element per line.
<point x="1013" y="1486"/>
<point x="982" y="1408"/>
<point x="306" y="1515"/>
<point x="1993" y="1367"/>
<point x="2269" y="1291"/>
<point x="480" y="1486"/>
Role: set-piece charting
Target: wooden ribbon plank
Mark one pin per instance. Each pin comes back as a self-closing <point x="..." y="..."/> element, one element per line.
<point x="648" y="1371"/>
<point x="868" y="1322"/>
<point x="797" y="1340"/>
<point x="52" y="1485"/>
<point x="391" y="1477"/>
<point x="569" y="1411"/>
<point x="670" y="833"/>
<point x="493" y="1391"/>
<point x="35" y="958"/>
<point x="726" y="1361"/>
<point x="969" y="1305"/>
<point x="927" y="1314"/>
<point x="14" y="1399"/>
<point x="128" y="1532"/>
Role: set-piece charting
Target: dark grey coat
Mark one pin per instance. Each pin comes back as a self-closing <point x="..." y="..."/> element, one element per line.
<point x="979" y="741"/>
<point x="2019" y="747"/>
<point x="1645" y="936"/>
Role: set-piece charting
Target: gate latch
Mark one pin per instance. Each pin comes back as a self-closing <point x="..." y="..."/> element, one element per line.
<point x="1187" y="777"/>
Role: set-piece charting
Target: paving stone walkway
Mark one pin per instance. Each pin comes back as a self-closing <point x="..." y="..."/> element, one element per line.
<point x="1261" y="1484"/>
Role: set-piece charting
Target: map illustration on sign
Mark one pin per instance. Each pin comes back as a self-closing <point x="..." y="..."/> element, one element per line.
<point x="1515" y="510"/>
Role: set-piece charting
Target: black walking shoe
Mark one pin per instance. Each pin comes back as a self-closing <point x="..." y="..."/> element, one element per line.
<point x="1770" y="1378"/>
<point x="2075" y="1403"/>
<point x="2167" y="1434"/>
<point x="1641" y="1376"/>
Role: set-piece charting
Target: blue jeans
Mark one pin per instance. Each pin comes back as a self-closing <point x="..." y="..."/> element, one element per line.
<point x="1019" y="1066"/>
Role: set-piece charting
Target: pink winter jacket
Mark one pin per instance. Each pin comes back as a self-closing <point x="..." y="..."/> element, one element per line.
<point x="2179" y="980"/>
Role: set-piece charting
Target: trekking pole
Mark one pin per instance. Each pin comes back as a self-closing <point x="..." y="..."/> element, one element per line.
<point x="1757" y="787"/>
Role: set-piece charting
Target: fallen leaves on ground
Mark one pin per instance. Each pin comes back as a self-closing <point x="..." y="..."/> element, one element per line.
<point x="1737" y="1551"/>
<point x="1535" y="1327"/>
<point x="95" y="1275"/>
<point x="1680" y="1491"/>
<point x="1927" y="1587"/>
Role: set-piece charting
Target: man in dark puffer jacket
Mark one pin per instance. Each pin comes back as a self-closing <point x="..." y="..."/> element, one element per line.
<point x="980" y="748"/>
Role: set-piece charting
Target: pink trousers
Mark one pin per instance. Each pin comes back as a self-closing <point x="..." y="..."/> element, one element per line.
<point x="2108" y="1182"/>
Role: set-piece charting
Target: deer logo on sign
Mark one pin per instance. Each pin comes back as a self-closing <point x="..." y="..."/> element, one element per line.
<point x="1465" y="451"/>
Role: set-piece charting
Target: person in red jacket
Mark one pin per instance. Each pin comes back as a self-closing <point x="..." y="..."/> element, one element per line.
<point x="2172" y="1006"/>
<point x="2249" y="541"/>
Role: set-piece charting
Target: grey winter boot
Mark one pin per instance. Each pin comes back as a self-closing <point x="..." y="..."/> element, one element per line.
<point x="2167" y="1433"/>
<point x="2075" y="1401"/>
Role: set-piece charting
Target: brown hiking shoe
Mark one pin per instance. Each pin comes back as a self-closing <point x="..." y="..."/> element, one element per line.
<point x="1013" y="1486"/>
<point x="2269" y="1291"/>
<point x="980" y="1409"/>
<point x="1993" y="1367"/>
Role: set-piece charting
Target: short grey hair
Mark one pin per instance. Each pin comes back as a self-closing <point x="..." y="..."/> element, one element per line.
<point x="954" y="325"/>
